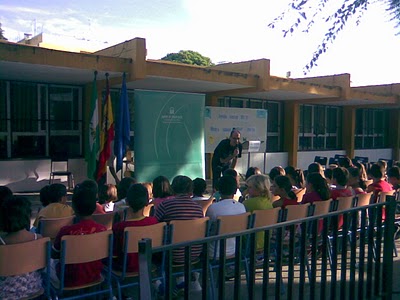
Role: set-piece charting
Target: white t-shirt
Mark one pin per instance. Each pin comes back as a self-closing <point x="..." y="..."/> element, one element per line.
<point x="226" y="207"/>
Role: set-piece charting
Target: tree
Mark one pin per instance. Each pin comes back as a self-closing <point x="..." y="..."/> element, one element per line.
<point x="307" y="11"/>
<point x="189" y="57"/>
<point x="2" y="37"/>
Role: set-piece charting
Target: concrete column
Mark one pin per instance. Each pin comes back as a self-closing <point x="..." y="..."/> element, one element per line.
<point x="349" y="130"/>
<point x="394" y="133"/>
<point x="291" y="131"/>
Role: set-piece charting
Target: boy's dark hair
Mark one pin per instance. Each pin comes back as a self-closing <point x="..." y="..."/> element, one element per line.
<point x="276" y="171"/>
<point x="341" y="175"/>
<point x="314" y="167"/>
<point x="394" y="172"/>
<point x="5" y="193"/>
<point x="123" y="186"/>
<point x="182" y="185"/>
<point x="199" y="187"/>
<point x="345" y="162"/>
<point x="227" y="185"/>
<point x="283" y="182"/>
<point x="252" y="171"/>
<point x="55" y="192"/>
<point x="44" y="198"/>
<point x="90" y="185"/>
<point x="376" y="171"/>
<point x="16" y="214"/>
<point x="84" y="200"/>
<point x="137" y="197"/>
<point x="230" y="172"/>
<point x="328" y="173"/>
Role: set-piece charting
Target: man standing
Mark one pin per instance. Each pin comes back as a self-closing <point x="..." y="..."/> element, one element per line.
<point x="225" y="155"/>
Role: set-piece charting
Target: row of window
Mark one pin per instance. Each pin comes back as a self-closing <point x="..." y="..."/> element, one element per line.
<point x="38" y="120"/>
<point x="320" y="126"/>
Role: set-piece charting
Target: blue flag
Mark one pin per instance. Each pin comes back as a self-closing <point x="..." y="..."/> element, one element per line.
<point x="122" y="126"/>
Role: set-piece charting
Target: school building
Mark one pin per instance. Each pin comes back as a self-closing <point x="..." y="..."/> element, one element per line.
<point x="45" y="96"/>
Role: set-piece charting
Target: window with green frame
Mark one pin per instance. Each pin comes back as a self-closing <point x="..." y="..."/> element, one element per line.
<point x="320" y="127"/>
<point x="371" y="128"/>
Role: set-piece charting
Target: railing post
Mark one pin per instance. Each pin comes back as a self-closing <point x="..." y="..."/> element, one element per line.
<point x="388" y="244"/>
<point x="145" y="269"/>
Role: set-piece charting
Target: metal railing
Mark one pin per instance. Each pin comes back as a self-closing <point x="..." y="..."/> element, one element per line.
<point x="301" y="259"/>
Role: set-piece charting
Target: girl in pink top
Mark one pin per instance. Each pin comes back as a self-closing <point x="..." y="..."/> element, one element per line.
<point x="282" y="187"/>
<point x="161" y="190"/>
<point x="317" y="189"/>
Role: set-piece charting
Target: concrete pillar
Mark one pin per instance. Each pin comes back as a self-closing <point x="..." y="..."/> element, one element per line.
<point x="291" y="131"/>
<point x="394" y="133"/>
<point x="349" y="130"/>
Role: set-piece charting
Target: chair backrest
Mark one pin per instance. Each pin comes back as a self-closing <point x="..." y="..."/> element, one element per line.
<point x="275" y="198"/>
<point x="343" y="203"/>
<point x="17" y="259"/>
<point x="106" y="219"/>
<point x="266" y="217"/>
<point x="299" y="194"/>
<point x="59" y="164"/>
<point x="363" y="199"/>
<point x="382" y="195"/>
<point x="205" y="204"/>
<point x="233" y="223"/>
<point x="322" y="207"/>
<point x="295" y="212"/>
<point x="86" y="248"/>
<point x="188" y="230"/>
<point x="51" y="227"/>
<point x="147" y="209"/>
<point x="156" y="232"/>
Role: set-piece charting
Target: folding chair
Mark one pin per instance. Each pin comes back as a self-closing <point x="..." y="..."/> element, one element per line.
<point x="256" y="256"/>
<point x="205" y="204"/>
<point x="106" y="219"/>
<point x="51" y="227"/>
<point x="59" y="167"/>
<point x="132" y="235"/>
<point x="19" y="259"/>
<point x="227" y="225"/>
<point x="184" y="261"/>
<point x="80" y="249"/>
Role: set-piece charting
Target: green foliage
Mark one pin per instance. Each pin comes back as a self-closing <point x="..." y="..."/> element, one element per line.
<point x="189" y="57"/>
<point x="2" y="37"/>
<point x="310" y="10"/>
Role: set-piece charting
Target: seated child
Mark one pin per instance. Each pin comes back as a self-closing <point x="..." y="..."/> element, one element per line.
<point x="16" y="218"/>
<point x="137" y="198"/>
<point x="340" y="178"/>
<point x="107" y="196"/>
<point x="199" y="189"/>
<point x="56" y="195"/>
<point x="84" y="204"/>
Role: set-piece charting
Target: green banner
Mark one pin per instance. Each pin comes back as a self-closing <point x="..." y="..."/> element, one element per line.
<point x="169" y="135"/>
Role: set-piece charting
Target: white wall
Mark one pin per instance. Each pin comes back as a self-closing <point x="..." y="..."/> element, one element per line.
<point x="374" y="154"/>
<point x="304" y="158"/>
<point x="31" y="175"/>
<point x="257" y="160"/>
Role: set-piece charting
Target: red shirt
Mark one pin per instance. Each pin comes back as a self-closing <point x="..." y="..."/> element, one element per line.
<point x="311" y="197"/>
<point x="380" y="186"/>
<point x="287" y="201"/>
<point x="80" y="274"/>
<point x="99" y="209"/>
<point x="335" y="193"/>
<point x="132" y="264"/>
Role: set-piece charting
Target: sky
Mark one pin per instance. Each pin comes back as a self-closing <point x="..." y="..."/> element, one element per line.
<point x="223" y="30"/>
